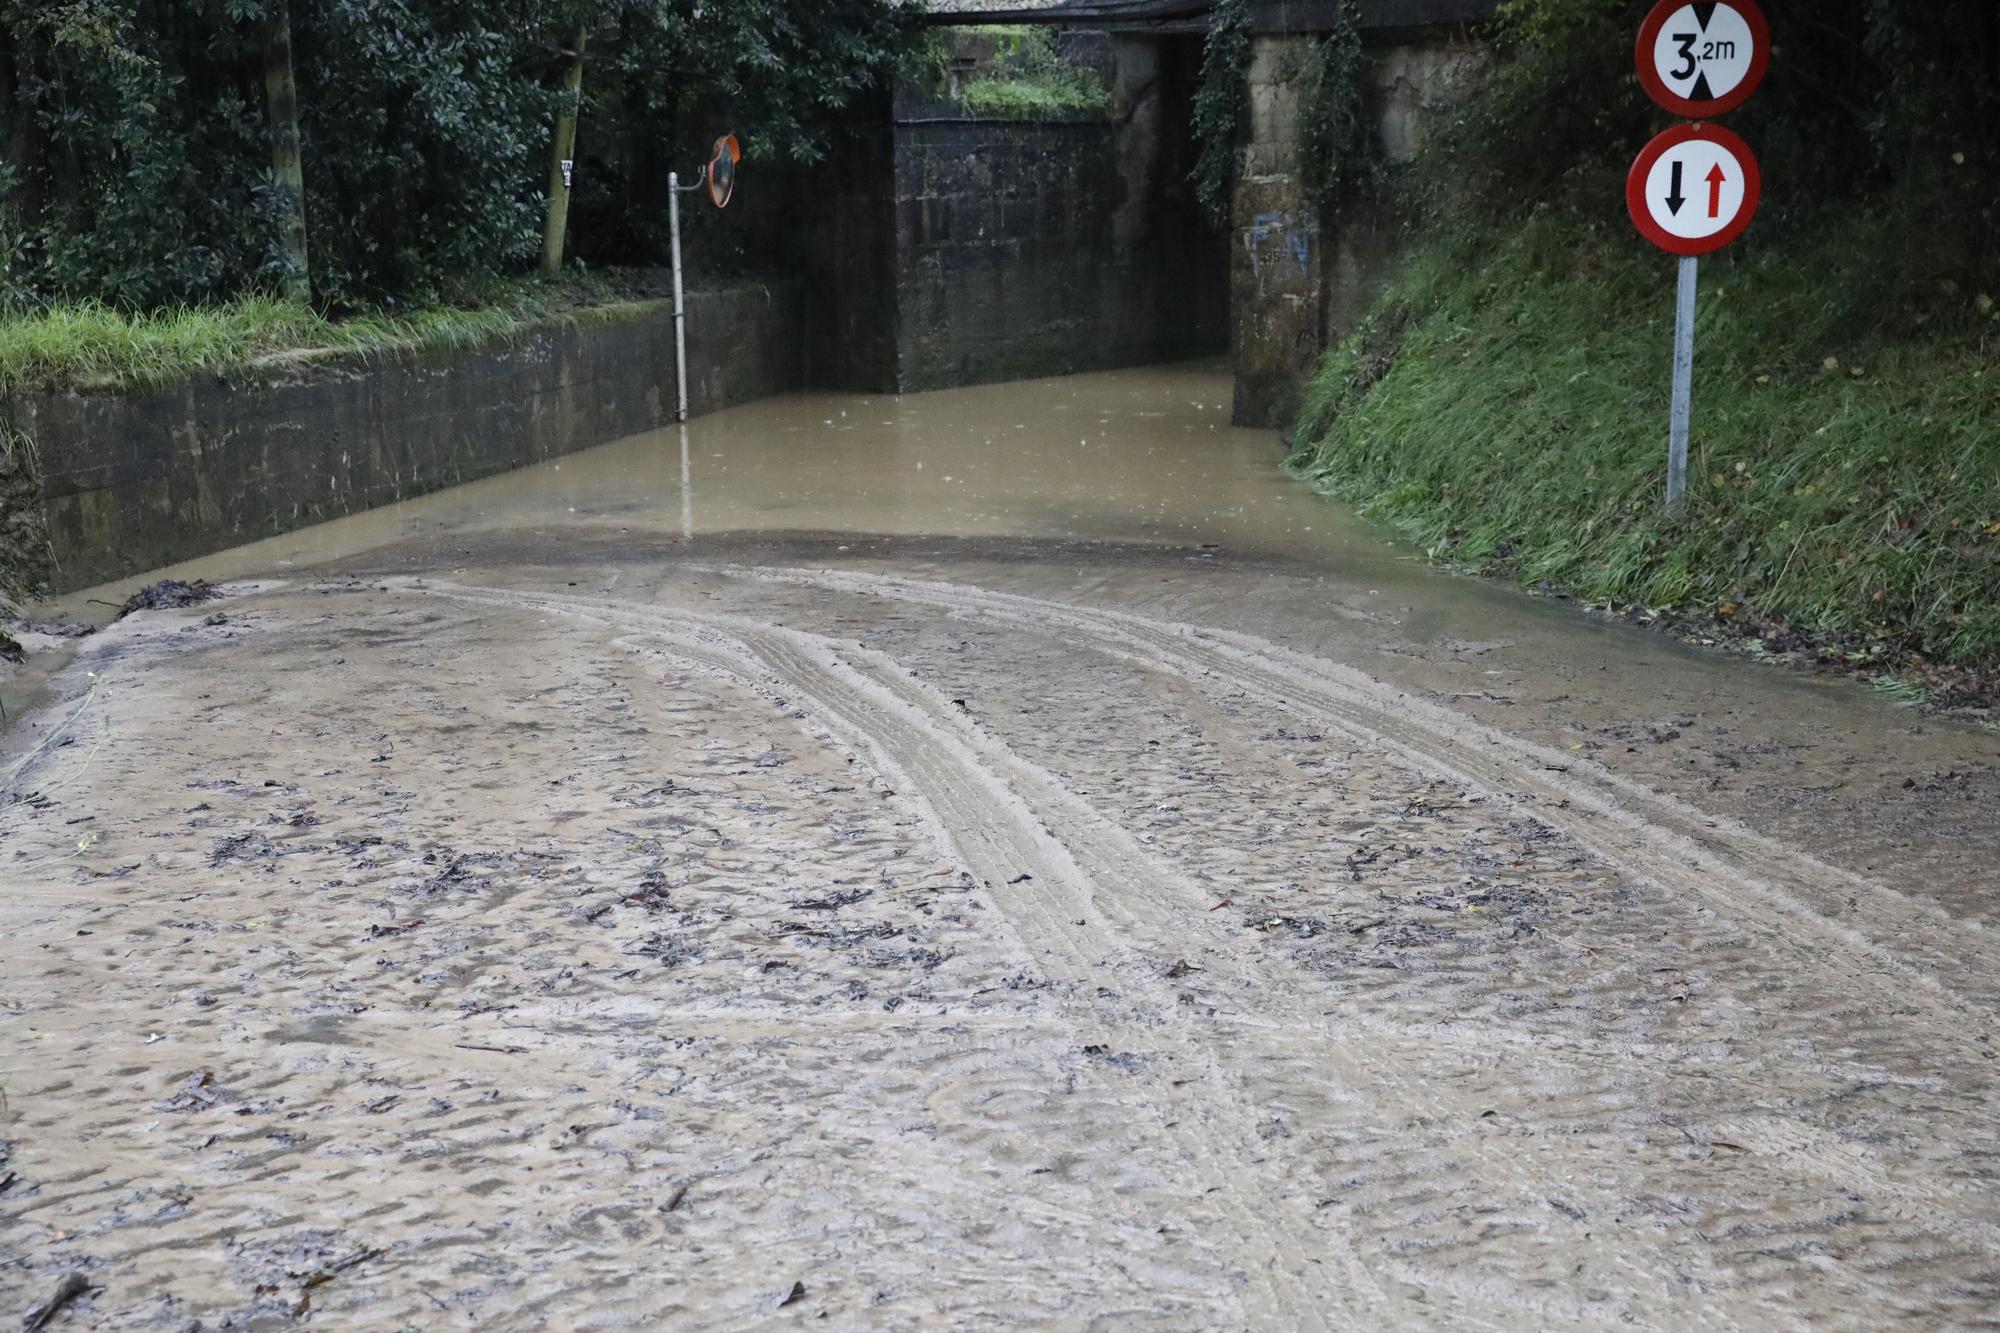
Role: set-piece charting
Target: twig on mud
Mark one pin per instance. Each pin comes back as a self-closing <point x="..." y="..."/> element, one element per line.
<point x="326" y="1275"/>
<point x="497" y="1050"/>
<point x="70" y="1288"/>
<point x="331" y="1271"/>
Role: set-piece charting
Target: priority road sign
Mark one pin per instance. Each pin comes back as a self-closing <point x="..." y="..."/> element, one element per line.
<point x="1702" y="60"/>
<point x="1693" y="189"/>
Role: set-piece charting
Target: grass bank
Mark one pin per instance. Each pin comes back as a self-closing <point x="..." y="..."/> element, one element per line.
<point x="1505" y="406"/>
<point x="97" y="347"/>
<point x="1505" y="402"/>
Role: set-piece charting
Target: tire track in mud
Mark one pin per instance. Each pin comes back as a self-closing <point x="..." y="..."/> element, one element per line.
<point x="987" y="829"/>
<point x="1654" y="836"/>
<point x="1001" y="813"/>
<point x="1683" y="851"/>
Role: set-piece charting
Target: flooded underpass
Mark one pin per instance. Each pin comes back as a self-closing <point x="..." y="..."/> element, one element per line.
<point x="1006" y="856"/>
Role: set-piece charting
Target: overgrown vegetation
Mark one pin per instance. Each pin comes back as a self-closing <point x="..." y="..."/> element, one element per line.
<point x="1221" y="105"/>
<point x="1506" y="402"/>
<point x="1334" y="152"/>
<point x="1031" y="77"/>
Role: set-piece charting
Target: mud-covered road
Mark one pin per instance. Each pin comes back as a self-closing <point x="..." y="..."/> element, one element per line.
<point x="975" y="912"/>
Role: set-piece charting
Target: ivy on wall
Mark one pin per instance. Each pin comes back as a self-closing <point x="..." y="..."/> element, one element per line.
<point x="1221" y="105"/>
<point x="1334" y="122"/>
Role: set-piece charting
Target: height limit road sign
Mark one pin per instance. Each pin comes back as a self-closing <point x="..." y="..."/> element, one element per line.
<point x="1693" y="189"/>
<point x="1702" y="60"/>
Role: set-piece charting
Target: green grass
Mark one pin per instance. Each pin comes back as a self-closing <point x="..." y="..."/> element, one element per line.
<point x="1031" y="96"/>
<point x="1030" y="79"/>
<point x="1505" y="406"/>
<point x="97" y="347"/>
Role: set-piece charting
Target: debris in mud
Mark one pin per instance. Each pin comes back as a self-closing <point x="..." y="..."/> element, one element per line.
<point x="56" y="629"/>
<point x="325" y="1275"/>
<point x="197" y="1092"/>
<point x="72" y="1286"/>
<point x="833" y="902"/>
<point x="797" y="1293"/>
<point x="251" y="846"/>
<point x="169" y="595"/>
<point x="650" y="895"/>
<point x="1124" y="1060"/>
<point x="11" y="649"/>
<point x="671" y="950"/>
<point x="459" y="873"/>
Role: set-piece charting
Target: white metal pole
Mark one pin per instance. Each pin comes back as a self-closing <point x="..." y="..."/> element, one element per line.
<point x="680" y="305"/>
<point x="1677" y="431"/>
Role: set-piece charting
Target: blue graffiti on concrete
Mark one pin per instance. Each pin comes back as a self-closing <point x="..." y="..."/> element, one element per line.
<point x="1293" y="228"/>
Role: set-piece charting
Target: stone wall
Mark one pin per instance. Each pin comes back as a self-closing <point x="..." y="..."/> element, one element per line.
<point x="1303" y="273"/>
<point x="130" y="482"/>
<point x="846" y="245"/>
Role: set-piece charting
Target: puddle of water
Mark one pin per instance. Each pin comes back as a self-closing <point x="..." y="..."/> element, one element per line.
<point x="1131" y="455"/>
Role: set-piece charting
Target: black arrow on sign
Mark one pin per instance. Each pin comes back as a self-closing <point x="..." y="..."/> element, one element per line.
<point x="1702" y="14"/>
<point x="1674" y="196"/>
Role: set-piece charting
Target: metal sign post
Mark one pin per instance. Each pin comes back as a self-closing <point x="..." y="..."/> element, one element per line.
<point x="1677" y="427"/>
<point x="1694" y="188"/>
<point x="718" y="177"/>
<point x="680" y="305"/>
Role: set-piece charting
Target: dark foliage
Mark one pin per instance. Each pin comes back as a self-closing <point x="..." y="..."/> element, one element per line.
<point x="1883" y="107"/>
<point x="136" y="147"/>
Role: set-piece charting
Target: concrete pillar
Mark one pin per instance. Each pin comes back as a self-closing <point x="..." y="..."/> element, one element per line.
<point x="1276" y="295"/>
<point x="1302" y="276"/>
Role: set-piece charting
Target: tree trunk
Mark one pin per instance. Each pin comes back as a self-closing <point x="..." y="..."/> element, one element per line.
<point x="561" y="161"/>
<point x="281" y="96"/>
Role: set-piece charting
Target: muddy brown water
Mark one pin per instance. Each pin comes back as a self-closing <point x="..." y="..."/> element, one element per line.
<point x="997" y="857"/>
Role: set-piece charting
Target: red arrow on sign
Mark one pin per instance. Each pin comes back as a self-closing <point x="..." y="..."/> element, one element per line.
<point x="1715" y="179"/>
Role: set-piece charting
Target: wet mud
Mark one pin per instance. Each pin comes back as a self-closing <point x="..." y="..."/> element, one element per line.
<point x="537" y="920"/>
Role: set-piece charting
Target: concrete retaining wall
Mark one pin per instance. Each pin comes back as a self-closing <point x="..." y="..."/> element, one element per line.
<point x="130" y="482"/>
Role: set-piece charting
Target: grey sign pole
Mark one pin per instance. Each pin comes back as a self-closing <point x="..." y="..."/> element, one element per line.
<point x="680" y="305"/>
<point x="1677" y="430"/>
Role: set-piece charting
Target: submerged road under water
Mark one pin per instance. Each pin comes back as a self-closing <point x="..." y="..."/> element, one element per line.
<point x="1005" y="856"/>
